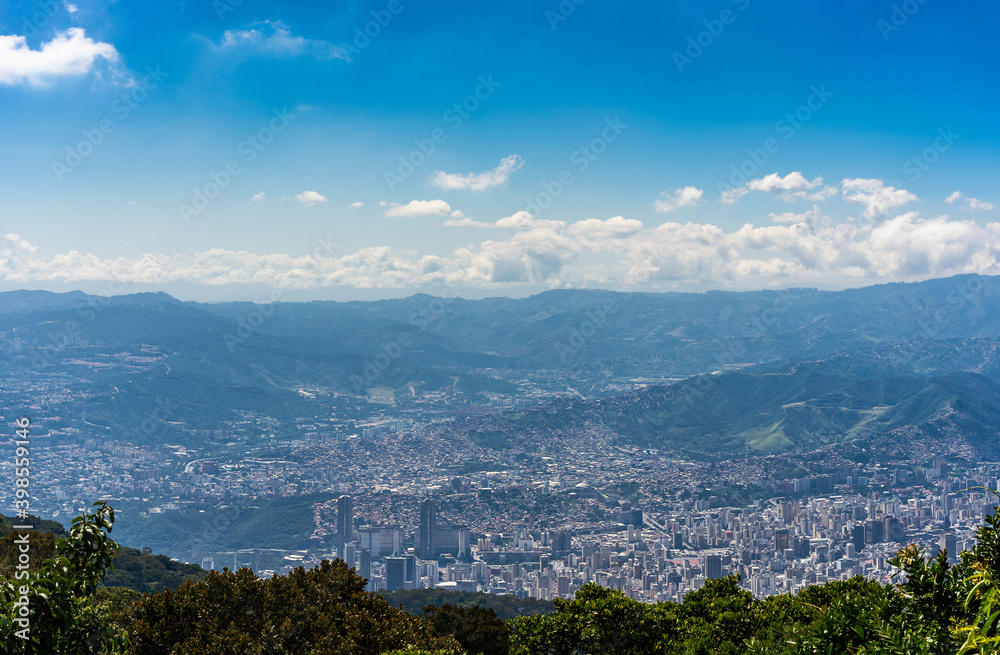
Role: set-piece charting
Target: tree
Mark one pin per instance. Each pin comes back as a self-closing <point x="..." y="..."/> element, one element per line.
<point x="51" y="610"/>
<point x="477" y="629"/>
<point x="321" y="611"/>
<point x="597" y="621"/>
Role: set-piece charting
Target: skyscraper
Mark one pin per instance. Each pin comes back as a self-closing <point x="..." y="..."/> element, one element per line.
<point x="365" y="566"/>
<point x="428" y="530"/>
<point x="949" y="543"/>
<point x="345" y="523"/>
<point x="713" y="567"/>
<point x="395" y="573"/>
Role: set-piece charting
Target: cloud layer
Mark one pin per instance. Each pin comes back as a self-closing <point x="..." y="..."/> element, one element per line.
<point x="792" y="249"/>
<point x="69" y="53"/>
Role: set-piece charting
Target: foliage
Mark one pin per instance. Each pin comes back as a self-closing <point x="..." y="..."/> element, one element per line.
<point x="63" y="615"/>
<point x="133" y="568"/>
<point x="596" y="621"/>
<point x="744" y="414"/>
<point x="322" y="611"/>
<point x="477" y="629"/>
<point x="981" y="634"/>
<point x="506" y="607"/>
<point x="150" y="573"/>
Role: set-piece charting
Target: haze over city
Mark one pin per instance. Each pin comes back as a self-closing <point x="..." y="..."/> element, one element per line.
<point x="387" y="327"/>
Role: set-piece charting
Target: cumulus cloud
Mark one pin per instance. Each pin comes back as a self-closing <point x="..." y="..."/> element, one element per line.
<point x="478" y="181"/>
<point x="466" y="222"/>
<point x="71" y="8"/>
<point x="814" y="218"/>
<point x="790" y="249"/>
<point x="422" y="208"/>
<point x="971" y="204"/>
<point x="794" y="249"/>
<point x="875" y="197"/>
<point x="793" y="186"/>
<point x="310" y="198"/>
<point x="69" y="53"/>
<point x="685" y="197"/>
<point x="616" y="227"/>
<point x="275" y="39"/>
<point x="356" y="205"/>
<point x="521" y="220"/>
<point x="258" y="197"/>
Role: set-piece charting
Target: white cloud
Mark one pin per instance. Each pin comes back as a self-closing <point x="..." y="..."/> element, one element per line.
<point x="274" y="38"/>
<point x="421" y="208"/>
<point x="466" y="222"/>
<point x="71" y="8"/>
<point x="310" y="198"/>
<point x="793" y="250"/>
<point x="478" y="181"/>
<point x="814" y="218"/>
<point x="258" y="197"/>
<point x="522" y="220"/>
<point x="876" y="198"/>
<point x="971" y="204"/>
<point x="686" y="197"/>
<point x="793" y="186"/>
<point x="616" y="227"/>
<point x="69" y="53"/>
<point x="356" y="205"/>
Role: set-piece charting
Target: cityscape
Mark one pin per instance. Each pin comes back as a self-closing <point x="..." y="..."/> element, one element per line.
<point x="384" y="487"/>
<point x="549" y="327"/>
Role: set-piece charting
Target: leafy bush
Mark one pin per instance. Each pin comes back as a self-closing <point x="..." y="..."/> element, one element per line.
<point x="52" y="610"/>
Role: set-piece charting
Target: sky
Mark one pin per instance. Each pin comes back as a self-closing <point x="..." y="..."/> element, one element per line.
<point x="245" y="150"/>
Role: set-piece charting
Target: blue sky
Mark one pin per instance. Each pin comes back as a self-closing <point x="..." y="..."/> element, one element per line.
<point x="550" y="144"/>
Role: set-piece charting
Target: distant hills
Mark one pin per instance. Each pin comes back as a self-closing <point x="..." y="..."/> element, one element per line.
<point x="733" y="415"/>
<point x="214" y="362"/>
<point x="133" y="569"/>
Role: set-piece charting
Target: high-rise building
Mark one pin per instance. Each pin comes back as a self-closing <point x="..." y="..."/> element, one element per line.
<point x="561" y="542"/>
<point x="713" y="567"/>
<point x="395" y="573"/>
<point x="208" y="564"/>
<point x="428" y="530"/>
<point x="381" y="541"/>
<point x="351" y="553"/>
<point x="365" y="563"/>
<point x="949" y="543"/>
<point x="858" y="537"/>
<point x="345" y="523"/>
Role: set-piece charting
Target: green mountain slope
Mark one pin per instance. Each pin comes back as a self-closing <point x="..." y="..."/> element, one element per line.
<point x="724" y="416"/>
